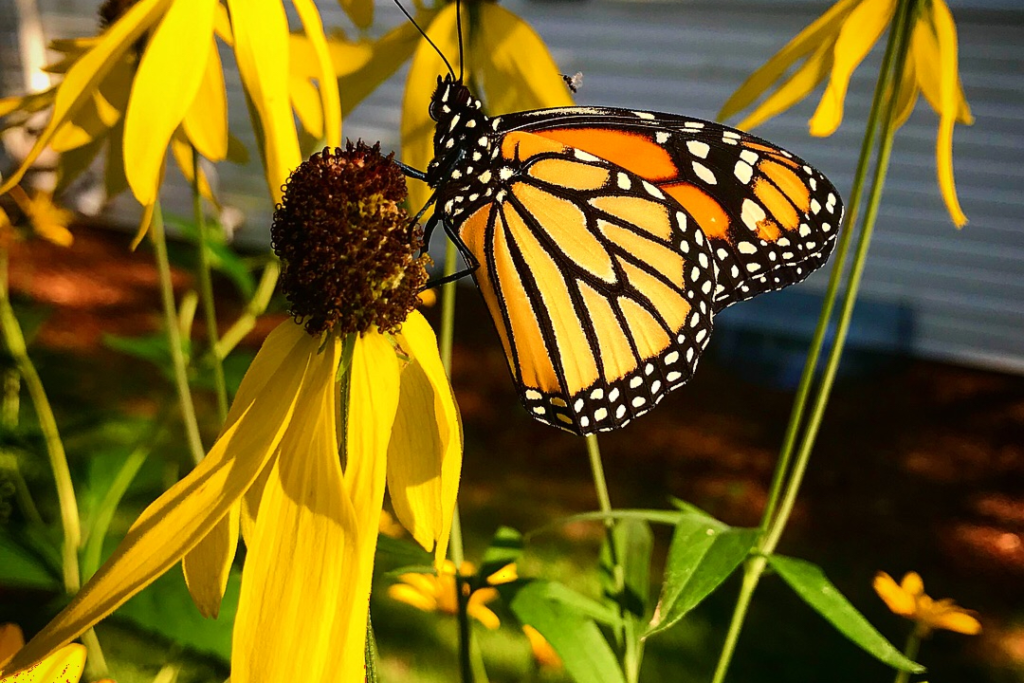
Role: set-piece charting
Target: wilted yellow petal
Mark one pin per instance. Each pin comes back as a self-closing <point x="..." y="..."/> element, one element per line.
<point x="166" y="83"/>
<point x="11" y="640"/>
<point x="898" y="600"/>
<point x="261" y="49"/>
<point x="208" y="565"/>
<point x="306" y="102"/>
<point x="417" y="126"/>
<point x="803" y="81"/>
<point x="174" y="523"/>
<point x="411" y="596"/>
<point x="515" y="69"/>
<point x="81" y="80"/>
<point x="373" y="399"/>
<point x="327" y="81"/>
<point x="181" y="149"/>
<point x="359" y="11"/>
<point x="912" y="584"/>
<point x="64" y="666"/>
<point x="425" y="455"/>
<point x="957" y="620"/>
<point x="206" y="121"/>
<point x="907" y="96"/>
<point x="858" y="35"/>
<point x="822" y="31"/>
<point x="290" y="612"/>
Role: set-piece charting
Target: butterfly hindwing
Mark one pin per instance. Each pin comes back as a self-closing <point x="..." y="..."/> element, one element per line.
<point x="600" y="285"/>
<point x="771" y="218"/>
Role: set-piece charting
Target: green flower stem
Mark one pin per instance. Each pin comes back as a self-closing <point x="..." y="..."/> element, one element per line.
<point x="14" y="339"/>
<point x="372" y="658"/>
<point x="206" y="292"/>
<point x="787" y="479"/>
<point x="256" y="307"/>
<point x="910" y="650"/>
<point x="188" y="411"/>
<point x="11" y="406"/>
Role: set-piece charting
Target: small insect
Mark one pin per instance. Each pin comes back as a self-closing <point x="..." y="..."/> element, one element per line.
<point x="574" y="82"/>
<point x="604" y="241"/>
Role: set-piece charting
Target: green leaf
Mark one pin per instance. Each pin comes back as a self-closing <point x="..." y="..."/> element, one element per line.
<point x="811" y="584"/>
<point x="703" y="554"/>
<point x="23" y="567"/>
<point x="548" y="607"/>
<point x="165" y="607"/>
<point x="506" y="547"/>
<point x="396" y="552"/>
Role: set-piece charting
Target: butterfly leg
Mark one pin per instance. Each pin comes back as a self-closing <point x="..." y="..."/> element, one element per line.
<point x="473" y="264"/>
<point x="412" y="172"/>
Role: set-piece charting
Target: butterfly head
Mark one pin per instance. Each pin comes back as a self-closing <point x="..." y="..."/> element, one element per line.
<point x="461" y="127"/>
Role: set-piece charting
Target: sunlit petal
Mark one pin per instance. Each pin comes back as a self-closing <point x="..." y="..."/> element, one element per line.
<point x="515" y="69"/>
<point x="27" y="104"/>
<point x="181" y="150"/>
<point x="95" y="118"/>
<point x="476" y="608"/>
<point x="166" y="83"/>
<point x="327" y="81"/>
<point x="798" y="86"/>
<point x="290" y="609"/>
<point x="541" y="648"/>
<point x="363" y="66"/>
<point x="898" y="600"/>
<point x="64" y="666"/>
<point x="822" y="31"/>
<point x="411" y="596"/>
<point x="859" y="33"/>
<point x="261" y="50"/>
<point x="425" y="455"/>
<point x="422" y="583"/>
<point x="307" y="104"/>
<point x="417" y="126"/>
<point x="185" y="513"/>
<point x="81" y="80"/>
<point x="912" y="584"/>
<point x="206" y="121"/>
<point x="957" y="620"/>
<point x="208" y="565"/>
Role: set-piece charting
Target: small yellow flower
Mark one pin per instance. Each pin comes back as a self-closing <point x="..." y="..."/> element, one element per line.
<point x="908" y="599"/>
<point x="307" y="509"/>
<point x="543" y="653"/>
<point x="432" y="593"/>
<point x="834" y="45"/>
<point x="48" y="220"/>
<point x="65" y="665"/>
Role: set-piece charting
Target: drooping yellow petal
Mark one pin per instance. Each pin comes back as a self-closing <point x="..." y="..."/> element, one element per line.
<point x="95" y="118"/>
<point x="181" y="150"/>
<point x="208" y="565"/>
<point x="417" y="126"/>
<point x="327" y="81"/>
<point x="261" y="49"/>
<point x="541" y="648"/>
<point x="822" y="31"/>
<point x="290" y="610"/>
<point x="359" y="11"/>
<point x="907" y="96"/>
<point x="166" y="83"/>
<point x="81" y="80"/>
<point x="798" y="86"/>
<point x="410" y="596"/>
<point x="206" y="121"/>
<point x="477" y="607"/>
<point x="513" y="65"/>
<point x="935" y="41"/>
<point x="307" y="104"/>
<point x="425" y="455"/>
<point x="362" y="66"/>
<point x="957" y="620"/>
<point x="898" y="600"/>
<point x="373" y="400"/>
<point x="64" y="666"/>
<point x="859" y="33"/>
<point x="174" y="523"/>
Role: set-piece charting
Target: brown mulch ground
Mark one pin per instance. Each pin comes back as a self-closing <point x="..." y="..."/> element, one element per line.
<point x="919" y="465"/>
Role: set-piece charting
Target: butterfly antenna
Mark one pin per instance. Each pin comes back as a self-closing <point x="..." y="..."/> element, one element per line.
<point x="427" y="38"/>
<point x="458" y="27"/>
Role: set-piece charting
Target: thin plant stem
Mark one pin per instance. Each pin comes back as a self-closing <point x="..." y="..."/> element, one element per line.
<point x="910" y="651"/>
<point x="256" y="307"/>
<point x="11" y="406"/>
<point x="787" y="479"/>
<point x="188" y="411"/>
<point x="206" y="292"/>
<point x="14" y="340"/>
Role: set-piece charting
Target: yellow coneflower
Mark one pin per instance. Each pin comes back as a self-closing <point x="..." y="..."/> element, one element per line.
<point x="439" y="593"/>
<point x="908" y="599"/>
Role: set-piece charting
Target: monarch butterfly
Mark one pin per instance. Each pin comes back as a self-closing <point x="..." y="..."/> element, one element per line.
<point x="605" y="240"/>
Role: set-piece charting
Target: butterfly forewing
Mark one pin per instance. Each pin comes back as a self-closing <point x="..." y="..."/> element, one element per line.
<point x="600" y="285"/>
<point x="771" y="218"/>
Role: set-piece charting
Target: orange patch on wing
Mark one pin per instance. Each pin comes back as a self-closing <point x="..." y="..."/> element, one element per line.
<point x="522" y="146"/>
<point x="648" y="334"/>
<point x="578" y="362"/>
<point x="789" y="182"/>
<point x="566" y="224"/>
<point x="709" y="214"/>
<point x="636" y="153"/>
<point x="649" y="216"/>
<point x="778" y="206"/>
<point x="772" y="152"/>
<point x="664" y="259"/>
<point x="669" y="303"/>
<point x="617" y="359"/>
<point x="574" y="175"/>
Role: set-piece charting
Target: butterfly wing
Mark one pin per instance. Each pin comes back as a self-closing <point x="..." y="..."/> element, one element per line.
<point x="600" y="284"/>
<point x="771" y="218"/>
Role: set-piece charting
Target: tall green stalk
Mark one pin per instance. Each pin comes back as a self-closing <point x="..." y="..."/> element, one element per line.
<point x="188" y="411"/>
<point x="206" y="292"/>
<point x="789" y="474"/>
